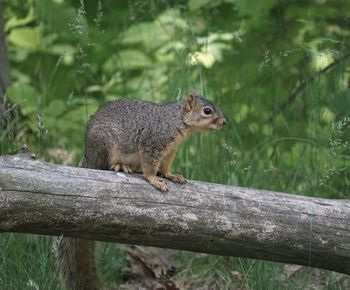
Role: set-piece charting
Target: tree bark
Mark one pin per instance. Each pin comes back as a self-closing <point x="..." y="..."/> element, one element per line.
<point x="7" y="109"/>
<point x="5" y="78"/>
<point x="43" y="198"/>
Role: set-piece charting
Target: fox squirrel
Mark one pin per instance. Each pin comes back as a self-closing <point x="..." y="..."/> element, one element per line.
<point x="133" y="135"/>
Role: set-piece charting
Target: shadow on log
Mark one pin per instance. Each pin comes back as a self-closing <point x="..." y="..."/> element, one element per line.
<point x="43" y="198"/>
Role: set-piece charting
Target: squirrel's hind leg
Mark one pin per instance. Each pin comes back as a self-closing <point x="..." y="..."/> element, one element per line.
<point x="118" y="162"/>
<point x="177" y="178"/>
<point x="121" y="167"/>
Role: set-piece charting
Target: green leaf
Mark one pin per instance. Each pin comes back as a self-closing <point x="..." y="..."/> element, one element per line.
<point x="254" y="7"/>
<point x="195" y="4"/>
<point x="156" y="33"/>
<point x="131" y="59"/>
<point x="14" y="22"/>
<point x="26" y="37"/>
<point x="55" y="108"/>
<point x="127" y="59"/>
<point x="24" y="95"/>
<point x="151" y="34"/>
<point x="341" y="103"/>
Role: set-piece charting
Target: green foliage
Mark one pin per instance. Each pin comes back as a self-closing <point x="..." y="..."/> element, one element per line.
<point x="70" y="57"/>
<point x="18" y="269"/>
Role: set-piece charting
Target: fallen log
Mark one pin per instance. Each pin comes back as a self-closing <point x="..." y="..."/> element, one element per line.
<point x="43" y="198"/>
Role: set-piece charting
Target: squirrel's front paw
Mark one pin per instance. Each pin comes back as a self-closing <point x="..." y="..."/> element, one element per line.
<point x="158" y="183"/>
<point x="177" y="178"/>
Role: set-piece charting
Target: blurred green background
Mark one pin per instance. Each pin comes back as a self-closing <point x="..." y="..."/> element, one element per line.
<point x="280" y="71"/>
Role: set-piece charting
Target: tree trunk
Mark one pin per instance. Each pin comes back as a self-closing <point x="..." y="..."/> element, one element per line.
<point x="42" y="198"/>
<point x="7" y="109"/>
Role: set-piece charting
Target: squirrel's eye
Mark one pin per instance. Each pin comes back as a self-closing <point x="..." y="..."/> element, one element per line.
<point x="207" y="111"/>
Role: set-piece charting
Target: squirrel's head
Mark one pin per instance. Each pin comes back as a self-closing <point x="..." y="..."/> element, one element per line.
<point x="201" y="114"/>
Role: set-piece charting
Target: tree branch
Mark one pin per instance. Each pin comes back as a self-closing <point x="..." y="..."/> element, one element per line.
<point x="43" y="198"/>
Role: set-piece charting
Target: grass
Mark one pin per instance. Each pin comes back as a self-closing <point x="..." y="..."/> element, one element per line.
<point x="27" y="262"/>
<point x="213" y="272"/>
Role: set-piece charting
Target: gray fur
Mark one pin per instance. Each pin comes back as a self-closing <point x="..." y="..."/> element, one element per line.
<point x="148" y="134"/>
<point x="131" y="125"/>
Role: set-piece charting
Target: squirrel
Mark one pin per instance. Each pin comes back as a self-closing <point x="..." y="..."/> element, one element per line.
<point x="133" y="135"/>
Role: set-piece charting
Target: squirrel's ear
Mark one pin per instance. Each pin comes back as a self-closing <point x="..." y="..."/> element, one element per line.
<point x="190" y="102"/>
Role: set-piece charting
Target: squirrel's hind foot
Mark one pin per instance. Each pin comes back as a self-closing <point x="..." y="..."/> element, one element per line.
<point x="177" y="178"/>
<point x="121" y="167"/>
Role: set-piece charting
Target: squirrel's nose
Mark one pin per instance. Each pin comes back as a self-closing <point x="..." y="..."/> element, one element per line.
<point x="224" y="121"/>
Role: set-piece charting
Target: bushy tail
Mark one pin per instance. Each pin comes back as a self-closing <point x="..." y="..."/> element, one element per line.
<point x="76" y="264"/>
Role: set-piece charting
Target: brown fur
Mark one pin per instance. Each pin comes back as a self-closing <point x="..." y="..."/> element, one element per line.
<point x="77" y="265"/>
